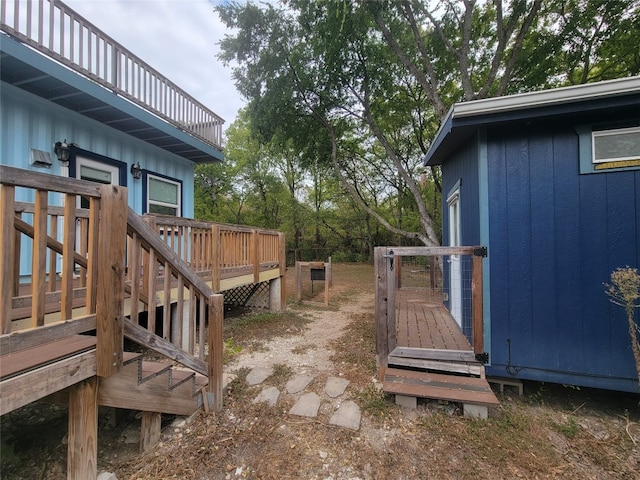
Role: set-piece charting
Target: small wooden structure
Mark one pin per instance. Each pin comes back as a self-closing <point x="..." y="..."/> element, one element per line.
<point x="421" y="350"/>
<point x="104" y="273"/>
<point x="318" y="271"/>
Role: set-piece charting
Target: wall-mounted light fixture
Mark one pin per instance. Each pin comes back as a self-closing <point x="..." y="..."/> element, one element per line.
<point x="63" y="151"/>
<point x="136" y="171"/>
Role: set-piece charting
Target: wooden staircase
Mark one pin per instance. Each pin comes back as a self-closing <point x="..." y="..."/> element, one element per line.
<point x="449" y="375"/>
<point x="35" y="372"/>
<point x="153" y="386"/>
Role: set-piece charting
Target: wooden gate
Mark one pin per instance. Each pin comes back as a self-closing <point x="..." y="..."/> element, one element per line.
<point x="397" y="290"/>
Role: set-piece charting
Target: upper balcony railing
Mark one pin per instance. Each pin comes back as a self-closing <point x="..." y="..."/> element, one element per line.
<point x="57" y="31"/>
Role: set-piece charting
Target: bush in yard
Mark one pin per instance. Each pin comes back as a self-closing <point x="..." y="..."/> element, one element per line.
<point x="624" y="290"/>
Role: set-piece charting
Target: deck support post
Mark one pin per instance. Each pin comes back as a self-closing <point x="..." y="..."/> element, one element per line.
<point x="215" y="343"/>
<point x="275" y="295"/>
<point x="149" y="430"/>
<point x="82" y="447"/>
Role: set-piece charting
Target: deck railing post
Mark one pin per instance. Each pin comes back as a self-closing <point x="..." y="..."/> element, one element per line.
<point x="282" y="261"/>
<point x="477" y="307"/>
<point x="255" y="255"/>
<point x="382" y="345"/>
<point x="215" y="343"/>
<point x="216" y="260"/>
<point x="110" y="279"/>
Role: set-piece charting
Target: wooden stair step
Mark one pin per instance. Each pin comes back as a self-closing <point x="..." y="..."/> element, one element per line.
<point x="130" y="357"/>
<point x="149" y="370"/>
<point x="453" y="388"/>
<point x="30" y="358"/>
<point x="178" y="376"/>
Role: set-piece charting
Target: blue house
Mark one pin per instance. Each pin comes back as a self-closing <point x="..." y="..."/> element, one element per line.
<point x="76" y="103"/>
<point x="549" y="182"/>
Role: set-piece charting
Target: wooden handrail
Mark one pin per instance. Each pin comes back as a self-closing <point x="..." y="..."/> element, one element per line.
<point x="102" y="282"/>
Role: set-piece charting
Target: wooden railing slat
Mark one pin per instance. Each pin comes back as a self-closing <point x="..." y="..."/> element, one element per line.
<point x="38" y="265"/>
<point x="7" y="255"/>
<point x="68" y="265"/>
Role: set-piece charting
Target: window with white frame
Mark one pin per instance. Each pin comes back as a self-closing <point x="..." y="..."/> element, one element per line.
<point x="615" y="148"/>
<point x="164" y="196"/>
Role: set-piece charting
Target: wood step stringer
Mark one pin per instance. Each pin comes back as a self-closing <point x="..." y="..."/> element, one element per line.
<point x="122" y="390"/>
<point x="468" y="390"/>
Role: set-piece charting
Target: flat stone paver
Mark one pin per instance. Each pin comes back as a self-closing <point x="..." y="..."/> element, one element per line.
<point x="307" y="405"/>
<point x="259" y="375"/>
<point x="348" y="416"/>
<point x="298" y="383"/>
<point x="269" y="396"/>
<point x="335" y="386"/>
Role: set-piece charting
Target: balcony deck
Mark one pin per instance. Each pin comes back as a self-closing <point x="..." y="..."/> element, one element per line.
<point x="44" y="41"/>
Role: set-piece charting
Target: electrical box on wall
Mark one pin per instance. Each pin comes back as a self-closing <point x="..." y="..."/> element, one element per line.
<point x="39" y="158"/>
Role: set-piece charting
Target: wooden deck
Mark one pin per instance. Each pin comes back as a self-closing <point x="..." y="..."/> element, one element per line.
<point x="421" y="350"/>
<point x="422" y="321"/>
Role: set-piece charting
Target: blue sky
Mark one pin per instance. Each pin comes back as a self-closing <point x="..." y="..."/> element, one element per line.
<point x="176" y="37"/>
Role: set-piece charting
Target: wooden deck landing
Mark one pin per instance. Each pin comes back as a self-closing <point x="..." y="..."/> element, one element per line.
<point x="422" y="321"/>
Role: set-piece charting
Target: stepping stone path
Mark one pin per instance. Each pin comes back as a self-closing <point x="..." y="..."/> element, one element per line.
<point x="259" y="375"/>
<point x="307" y="405"/>
<point x="269" y="396"/>
<point x="346" y="415"/>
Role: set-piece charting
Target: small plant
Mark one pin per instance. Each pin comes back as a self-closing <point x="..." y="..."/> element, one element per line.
<point x="625" y="291"/>
<point x="230" y="350"/>
<point x="374" y="402"/>
<point x="569" y="429"/>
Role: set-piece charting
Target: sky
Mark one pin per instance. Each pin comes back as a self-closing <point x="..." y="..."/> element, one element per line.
<point x="179" y="38"/>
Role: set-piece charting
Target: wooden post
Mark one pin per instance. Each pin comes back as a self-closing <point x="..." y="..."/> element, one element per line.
<point x="216" y="317"/>
<point x="82" y="447"/>
<point x="110" y="279"/>
<point x="216" y="261"/>
<point x="326" y="284"/>
<point x="255" y="255"/>
<point x="382" y="346"/>
<point x="391" y="264"/>
<point x="7" y="254"/>
<point x="477" y="307"/>
<point x="283" y="271"/>
<point x="298" y="282"/>
<point x="149" y="430"/>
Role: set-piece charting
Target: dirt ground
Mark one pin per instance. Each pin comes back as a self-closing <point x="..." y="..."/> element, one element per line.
<point x="551" y="432"/>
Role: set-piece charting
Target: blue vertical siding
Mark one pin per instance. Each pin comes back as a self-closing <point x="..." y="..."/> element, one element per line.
<point x="555" y="237"/>
<point x="463" y="167"/>
<point x="28" y="121"/>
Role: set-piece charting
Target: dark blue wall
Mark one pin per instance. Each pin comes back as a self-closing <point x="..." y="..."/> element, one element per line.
<point x="555" y="237"/>
<point x="462" y="167"/>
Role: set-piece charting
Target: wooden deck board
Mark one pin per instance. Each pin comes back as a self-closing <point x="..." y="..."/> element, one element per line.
<point x="14" y="363"/>
<point x="422" y="321"/>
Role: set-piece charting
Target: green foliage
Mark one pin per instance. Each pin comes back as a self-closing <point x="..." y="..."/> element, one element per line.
<point x="569" y="429"/>
<point x="345" y="97"/>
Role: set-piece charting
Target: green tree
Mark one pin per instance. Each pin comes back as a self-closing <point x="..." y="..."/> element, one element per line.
<point x="363" y="86"/>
